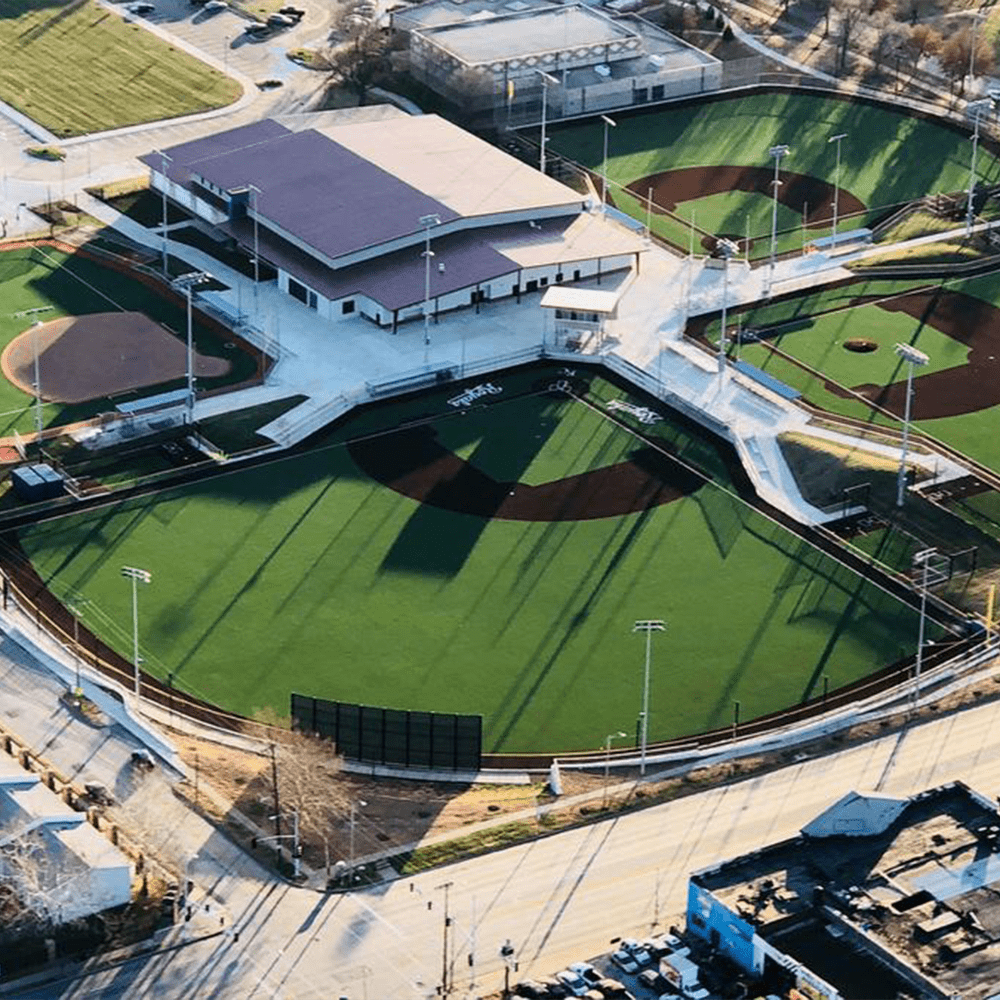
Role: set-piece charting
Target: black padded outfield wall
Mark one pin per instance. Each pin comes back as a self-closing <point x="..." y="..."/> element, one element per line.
<point x="393" y="736"/>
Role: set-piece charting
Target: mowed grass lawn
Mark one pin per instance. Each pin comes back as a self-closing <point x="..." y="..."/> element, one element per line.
<point x="818" y="341"/>
<point x="307" y="575"/>
<point x="887" y="157"/>
<point x="77" y="67"/>
<point x="64" y="284"/>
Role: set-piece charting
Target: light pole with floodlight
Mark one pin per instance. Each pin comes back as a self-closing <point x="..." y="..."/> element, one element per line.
<point x="607" y="759"/>
<point x="976" y="108"/>
<point x="354" y="808"/>
<point x="75" y="606"/>
<point x="547" y="78"/>
<point x="604" y="174"/>
<point x="649" y="626"/>
<point x="136" y="576"/>
<point x="836" y="186"/>
<point x="186" y="283"/>
<point x="427" y="221"/>
<point x="163" y="169"/>
<point x="912" y="357"/>
<point x="777" y="152"/>
<point x="38" y="383"/>
<point x="728" y="249"/>
<point x="256" y="192"/>
<point x="922" y="559"/>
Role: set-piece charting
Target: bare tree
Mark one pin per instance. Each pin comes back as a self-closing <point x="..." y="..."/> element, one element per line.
<point x="851" y="17"/>
<point x="36" y="887"/>
<point x="890" y="40"/>
<point x="923" y="40"/>
<point x="361" y="55"/>
<point x="955" y="57"/>
<point x="307" y="768"/>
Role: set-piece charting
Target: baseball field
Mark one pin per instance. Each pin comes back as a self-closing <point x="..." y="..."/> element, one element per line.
<point x="710" y="160"/>
<point x="482" y="552"/>
<point x="837" y="345"/>
<point x="104" y="338"/>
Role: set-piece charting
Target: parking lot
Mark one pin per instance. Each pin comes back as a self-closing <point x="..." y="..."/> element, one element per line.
<point x="222" y="35"/>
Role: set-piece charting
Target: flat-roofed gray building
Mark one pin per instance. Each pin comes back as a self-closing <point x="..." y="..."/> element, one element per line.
<point x="342" y="212"/>
<point x="494" y="54"/>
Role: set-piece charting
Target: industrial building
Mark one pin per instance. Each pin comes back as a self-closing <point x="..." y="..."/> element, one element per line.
<point x="877" y="897"/>
<point x="469" y="50"/>
<point x="375" y="219"/>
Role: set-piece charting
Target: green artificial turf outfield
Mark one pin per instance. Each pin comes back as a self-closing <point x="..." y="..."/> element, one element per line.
<point x="64" y="284"/>
<point x="307" y="575"/>
<point x="887" y="158"/>
<point x="76" y="67"/>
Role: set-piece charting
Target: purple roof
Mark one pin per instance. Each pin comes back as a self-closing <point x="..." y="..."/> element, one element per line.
<point x="395" y="280"/>
<point x="233" y="140"/>
<point x="311" y="187"/>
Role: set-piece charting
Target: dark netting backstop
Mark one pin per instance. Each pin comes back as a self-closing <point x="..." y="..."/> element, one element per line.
<point x="393" y="736"/>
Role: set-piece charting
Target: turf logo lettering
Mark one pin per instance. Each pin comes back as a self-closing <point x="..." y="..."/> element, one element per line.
<point x="560" y="385"/>
<point x="641" y="413"/>
<point x="468" y="397"/>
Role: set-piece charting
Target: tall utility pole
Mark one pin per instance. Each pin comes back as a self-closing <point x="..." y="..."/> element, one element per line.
<point x="445" y="985"/>
<point x="427" y="221"/>
<point x="649" y="626"/>
<point x="777" y="152"/>
<point x="912" y="357"/>
<point x="186" y="284"/>
<point x="604" y="173"/>
<point x="836" y="185"/>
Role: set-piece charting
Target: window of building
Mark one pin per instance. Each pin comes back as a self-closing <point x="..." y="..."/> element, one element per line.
<point x="298" y="291"/>
<point x="313" y="300"/>
<point x="543" y="281"/>
<point x="640" y="95"/>
<point x="531" y="286"/>
<point x="657" y="92"/>
<point x="576" y="275"/>
<point x="559" y="277"/>
<point x="347" y="306"/>
<point x="516" y="290"/>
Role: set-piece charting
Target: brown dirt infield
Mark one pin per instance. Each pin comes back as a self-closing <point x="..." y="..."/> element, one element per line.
<point x="100" y="354"/>
<point x="673" y="187"/>
<point x="413" y="463"/>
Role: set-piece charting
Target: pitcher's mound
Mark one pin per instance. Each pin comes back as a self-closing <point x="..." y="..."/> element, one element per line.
<point x="101" y="354"/>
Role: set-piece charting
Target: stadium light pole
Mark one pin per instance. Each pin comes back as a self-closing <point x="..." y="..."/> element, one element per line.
<point x="607" y="760"/>
<point x="912" y="357"/>
<point x="649" y="626"/>
<point x="38" y="383"/>
<point x="976" y="108"/>
<point x="547" y="78"/>
<point x="427" y="221"/>
<point x="727" y="248"/>
<point x="836" y="185"/>
<point x="604" y="175"/>
<point x="136" y="576"/>
<point x="777" y="152"/>
<point x="186" y="283"/>
<point x="256" y="192"/>
<point x="163" y="191"/>
<point x="922" y="559"/>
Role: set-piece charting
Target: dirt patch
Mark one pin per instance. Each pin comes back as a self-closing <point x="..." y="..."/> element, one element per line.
<point x="860" y="346"/>
<point x="796" y="191"/>
<point x="412" y="462"/>
<point x="101" y="354"/>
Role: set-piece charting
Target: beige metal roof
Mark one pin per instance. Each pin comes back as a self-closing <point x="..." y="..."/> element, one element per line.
<point x="562" y="241"/>
<point x="463" y="172"/>
<point x="580" y="299"/>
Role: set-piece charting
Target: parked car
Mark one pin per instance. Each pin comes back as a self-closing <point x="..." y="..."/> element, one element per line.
<point x="638" y="953"/>
<point x="611" y="989"/>
<point x="662" y="945"/>
<point x="141" y="8"/>
<point x="553" y="987"/>
<point x="586" y="972"/>
<point x="625" y="961"/>
<point x="281" y="21"/>
<point x="652" y="980"/>
<point x="216" y="5"/>
<point x="576" y="985"/>
<point x="531" y="989"/>
<point x="297" y="12"/>
<point x="257" y="28"/>
<point x="143" y="760"/>
<point x="197" y="3"/>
